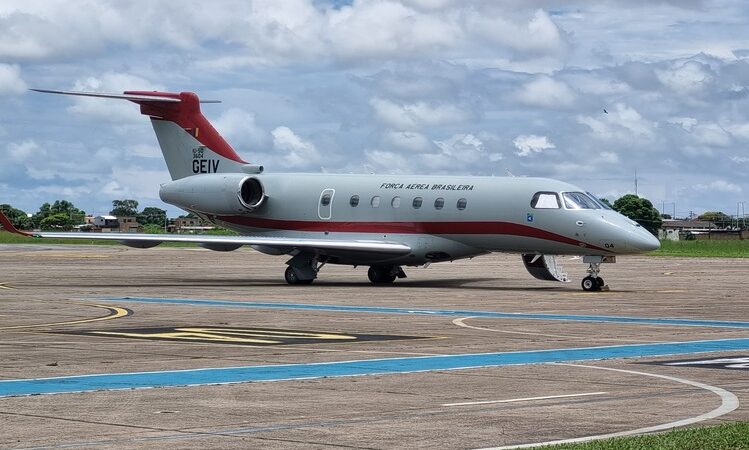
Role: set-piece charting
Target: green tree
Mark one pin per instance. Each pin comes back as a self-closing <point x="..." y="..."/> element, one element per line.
<point x="152" y="215"/>
<point x="57" y="222"/>
<point x="124" y="208"/>
<point x="18" y="218"/>
<point x="718" y="218"/>
<point x="74" y="214"/>
<point x="641" y="211"/>
<point x="606" y="202"/>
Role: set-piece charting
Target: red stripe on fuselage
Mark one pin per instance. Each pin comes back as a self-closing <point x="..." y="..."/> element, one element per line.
<point x="506" y="228"/>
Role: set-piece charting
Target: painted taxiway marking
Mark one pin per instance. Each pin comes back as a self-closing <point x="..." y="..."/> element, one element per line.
<point x="5" y="286"/>
<point x="526" y="399"/>
<point x="287" y="372"/>
<point x="728" y="402"/>
<point x="461" y="323"/>
<point x="437" y="312"/>
<point x="114" y="313"/>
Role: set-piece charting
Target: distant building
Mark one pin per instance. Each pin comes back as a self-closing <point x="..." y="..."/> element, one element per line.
<point x="128" y="224"/>
<point x="105" y="223"/>
<point x="678" y="230"/>
<point x="188" y="225"/>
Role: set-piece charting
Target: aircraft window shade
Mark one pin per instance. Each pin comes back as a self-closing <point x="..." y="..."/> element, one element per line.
<point x="439" y="203"/>
<point x="325" y="200"/>
<point x="578" y="200"/>
<point x="396" y="202"/>
<point x="417" y="202"/>
<point x="375" y="201"/>
<point x="354" y="202"/>
<point x="462" y="203"/>
<point x="545" y="200"/>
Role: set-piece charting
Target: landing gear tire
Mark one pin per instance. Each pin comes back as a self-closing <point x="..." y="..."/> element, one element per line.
<point x="381" y="274"/>
<point x="601" y="283"/>
<point x="292" y="277"/>
<point x="591" y="284"/>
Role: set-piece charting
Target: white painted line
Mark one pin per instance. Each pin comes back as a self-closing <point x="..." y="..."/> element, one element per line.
<point x="527" y="399"/>
<point x="461" y="323"/>
<point x="729" y="402"/>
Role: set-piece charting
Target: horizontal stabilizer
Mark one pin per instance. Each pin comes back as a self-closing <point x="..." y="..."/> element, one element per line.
<point x="144" y="96"/>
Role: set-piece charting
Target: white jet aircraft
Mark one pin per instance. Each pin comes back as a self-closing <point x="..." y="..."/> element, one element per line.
<point x="381" y="221"/>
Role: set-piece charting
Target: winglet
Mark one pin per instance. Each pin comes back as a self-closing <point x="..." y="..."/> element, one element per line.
<point x="8" y="225"/>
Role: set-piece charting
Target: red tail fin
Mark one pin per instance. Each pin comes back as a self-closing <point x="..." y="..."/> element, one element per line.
<point x="185" y="112"/>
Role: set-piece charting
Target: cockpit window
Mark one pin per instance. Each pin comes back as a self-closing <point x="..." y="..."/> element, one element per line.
<point x="545" y="200"/>
<point x="599" y="201"/>
<point x="579" y="200"/>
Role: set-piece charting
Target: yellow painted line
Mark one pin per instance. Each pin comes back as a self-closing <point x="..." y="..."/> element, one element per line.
<point x="114" y="313"/>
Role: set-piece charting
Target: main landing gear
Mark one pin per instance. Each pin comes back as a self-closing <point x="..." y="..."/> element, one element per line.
<point x="385" y="274"/>
<point x="593" y="282"/>
<point x="303" y="269"/>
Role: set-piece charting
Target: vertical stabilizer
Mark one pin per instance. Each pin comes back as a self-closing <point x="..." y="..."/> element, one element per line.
<point x="187" y="139"/>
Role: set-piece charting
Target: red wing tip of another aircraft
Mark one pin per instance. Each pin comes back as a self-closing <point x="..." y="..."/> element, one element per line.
<point x="8" y="226"/>
<point x="141" y="96"/>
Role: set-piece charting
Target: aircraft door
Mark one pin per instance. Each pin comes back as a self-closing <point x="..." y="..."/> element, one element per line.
<point x="324" y="206"/>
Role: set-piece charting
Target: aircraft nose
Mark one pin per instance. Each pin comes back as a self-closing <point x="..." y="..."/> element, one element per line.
<point x="643" y="241"/>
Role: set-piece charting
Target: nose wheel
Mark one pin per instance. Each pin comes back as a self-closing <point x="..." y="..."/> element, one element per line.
<point x="592" y="282"/>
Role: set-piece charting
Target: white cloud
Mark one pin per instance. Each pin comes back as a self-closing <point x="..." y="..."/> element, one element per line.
<point x="412" y="116"/>
<point x="238" y="127"/>
<point x="688" y="78"/>
<point x="546" y="92"/>
<point x="530" y="143"/>
<point x="687" y="123"/>
<point x="105" y="110"/>
<point x="296" y="153"/>
<point x="19" y="152"/>
<point x="719" y="186"/>
<point x="408" y="140"/>
<point x="11" y="82"/>
<point x="622" y="123"/>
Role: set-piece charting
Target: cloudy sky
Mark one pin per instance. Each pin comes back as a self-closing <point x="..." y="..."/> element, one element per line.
<point x="409" y="86"/>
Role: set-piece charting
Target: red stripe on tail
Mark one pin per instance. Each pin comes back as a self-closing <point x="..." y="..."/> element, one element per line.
<point x="187" y="115"/>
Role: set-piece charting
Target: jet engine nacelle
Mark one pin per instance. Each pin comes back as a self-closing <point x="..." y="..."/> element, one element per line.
<point x="215" y="193"/>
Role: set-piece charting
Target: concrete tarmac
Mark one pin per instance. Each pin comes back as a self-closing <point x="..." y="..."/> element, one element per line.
<point x="67" y="311"/>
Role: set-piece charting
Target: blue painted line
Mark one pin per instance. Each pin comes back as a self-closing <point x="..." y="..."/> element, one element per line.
<point x="440" y="312"/>
<point x="195" y="377"/>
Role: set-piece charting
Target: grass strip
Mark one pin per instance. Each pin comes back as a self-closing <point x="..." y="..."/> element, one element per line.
<point x="729" y="436"/>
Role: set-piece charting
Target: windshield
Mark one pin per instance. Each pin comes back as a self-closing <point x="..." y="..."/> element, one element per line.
<point x="599" y="201"/>
<point x="579" y="200"/>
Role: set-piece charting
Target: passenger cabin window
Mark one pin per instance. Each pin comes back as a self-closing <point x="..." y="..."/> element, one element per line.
<point x="354" y="202"/>
<point x="545" y="200"/>
<point x="375" y="201"/>
<point x="579" y="200"/>
<point x="325" y="200"/>
<point x="396" y="202"/>
<point x="462" y="204"/>
<point x="417" y="202"/>
<point x="439" y="203"/>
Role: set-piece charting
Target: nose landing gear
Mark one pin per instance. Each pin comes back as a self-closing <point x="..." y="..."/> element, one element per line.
<point x="593" y="282"/>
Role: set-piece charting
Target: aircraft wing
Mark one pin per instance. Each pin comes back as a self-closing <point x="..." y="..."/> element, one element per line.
<point x="143" y="240"/>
